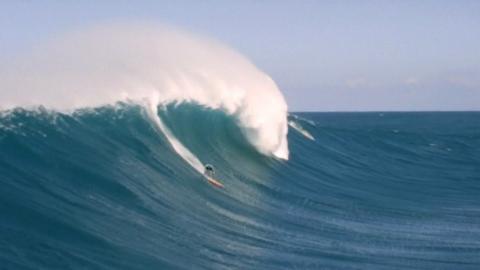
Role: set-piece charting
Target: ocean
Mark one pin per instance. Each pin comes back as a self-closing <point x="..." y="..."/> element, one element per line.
<point x="105" y="188"/>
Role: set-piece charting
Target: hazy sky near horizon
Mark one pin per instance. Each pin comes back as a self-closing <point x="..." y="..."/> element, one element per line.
<point x="324" y="55"/>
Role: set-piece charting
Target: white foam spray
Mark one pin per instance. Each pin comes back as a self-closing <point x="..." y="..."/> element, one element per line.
<point x="188" y="156"/>
<point x="153" y="65"/>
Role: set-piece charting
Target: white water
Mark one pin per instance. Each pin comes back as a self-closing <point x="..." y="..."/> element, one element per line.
<point x="188" y="156"/>
<point x="301" y="130"/>
<point x="153" y="65"/>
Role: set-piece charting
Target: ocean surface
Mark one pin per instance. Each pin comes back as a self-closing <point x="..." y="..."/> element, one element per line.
<point x="104" y="189"/>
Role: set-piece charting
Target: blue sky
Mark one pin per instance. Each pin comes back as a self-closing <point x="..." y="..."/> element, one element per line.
<point x="324" y="55"/>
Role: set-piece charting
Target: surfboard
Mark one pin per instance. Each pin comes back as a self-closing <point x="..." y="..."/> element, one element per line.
<point x="214" y="182"/>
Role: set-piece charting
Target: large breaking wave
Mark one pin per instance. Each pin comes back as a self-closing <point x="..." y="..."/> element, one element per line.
<point x="150" y="66"/>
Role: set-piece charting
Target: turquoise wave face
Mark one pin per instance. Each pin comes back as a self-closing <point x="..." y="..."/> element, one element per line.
<point x="103" y="189"/>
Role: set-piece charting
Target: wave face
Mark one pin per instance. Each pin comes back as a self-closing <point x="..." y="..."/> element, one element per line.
<point x="104" y="189"/>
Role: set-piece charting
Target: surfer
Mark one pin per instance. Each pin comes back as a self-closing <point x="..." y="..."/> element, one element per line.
<point x="209" y="171"/>
<point x="209" y="174"/>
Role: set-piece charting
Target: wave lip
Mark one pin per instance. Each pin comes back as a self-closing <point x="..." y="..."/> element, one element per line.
<point x="149" y="65"/>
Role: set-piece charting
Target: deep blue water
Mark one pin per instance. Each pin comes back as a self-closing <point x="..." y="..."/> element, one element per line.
<point x="103" y="189"/>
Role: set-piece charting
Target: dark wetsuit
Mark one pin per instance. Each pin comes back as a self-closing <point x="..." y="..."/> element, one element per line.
<point x="209" y="171"/>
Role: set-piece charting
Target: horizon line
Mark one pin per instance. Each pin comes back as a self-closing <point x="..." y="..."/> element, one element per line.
<point x="388" y="111"/>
